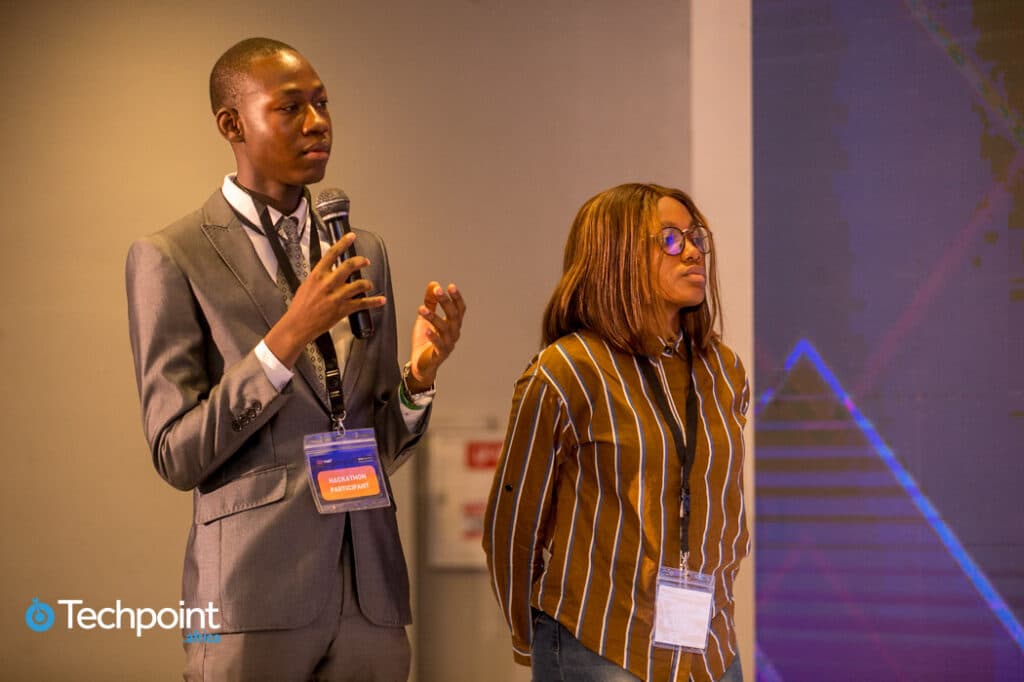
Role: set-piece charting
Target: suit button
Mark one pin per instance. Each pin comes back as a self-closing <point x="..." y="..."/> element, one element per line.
<point x="235" y="425"/>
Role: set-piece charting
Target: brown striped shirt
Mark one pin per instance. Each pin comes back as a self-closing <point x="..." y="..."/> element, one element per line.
<point x="584" y="509"/>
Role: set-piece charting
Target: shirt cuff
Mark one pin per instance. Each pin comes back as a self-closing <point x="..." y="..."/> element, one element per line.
<point x="413" y="417"/>
<point x="413" y="407"/>
<point x="276" y="372"/>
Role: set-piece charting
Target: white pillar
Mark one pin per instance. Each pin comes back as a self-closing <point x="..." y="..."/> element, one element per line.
<point x="722" y="172"/>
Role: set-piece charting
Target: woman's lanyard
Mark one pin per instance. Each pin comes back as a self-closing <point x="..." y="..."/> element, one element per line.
<point x="324" y="342"/>
<point x="685" y="448"/>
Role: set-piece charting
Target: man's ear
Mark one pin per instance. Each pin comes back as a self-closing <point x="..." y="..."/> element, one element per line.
<point x="230" y="125"/>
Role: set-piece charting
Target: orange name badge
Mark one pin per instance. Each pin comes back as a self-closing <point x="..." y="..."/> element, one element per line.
<point x="344" y="471"/>
<point x="348" y="483"/>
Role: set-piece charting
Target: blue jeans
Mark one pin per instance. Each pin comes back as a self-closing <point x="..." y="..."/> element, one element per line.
<point x="734" y="673"/>
<point x="557" y="656"/>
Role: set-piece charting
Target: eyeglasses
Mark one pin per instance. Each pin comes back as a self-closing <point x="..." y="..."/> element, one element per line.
<point x="673" y="240"/>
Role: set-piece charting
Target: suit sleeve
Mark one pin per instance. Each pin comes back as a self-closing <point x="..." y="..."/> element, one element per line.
<point x="192" y="422"/>
<point x="520" y="502"/>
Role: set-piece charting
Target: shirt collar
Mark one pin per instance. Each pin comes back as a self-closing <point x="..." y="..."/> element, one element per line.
<point x="670" y="348"/>
<point x="242" y="202"/>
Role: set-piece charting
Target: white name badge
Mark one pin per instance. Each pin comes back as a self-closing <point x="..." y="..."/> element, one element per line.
<point x="344" y="471"/>
<point x="682" y="609"/>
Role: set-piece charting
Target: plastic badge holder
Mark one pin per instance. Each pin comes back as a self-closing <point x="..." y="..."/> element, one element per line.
<point x="682" y="615"/>
<point x="344" y="471"/>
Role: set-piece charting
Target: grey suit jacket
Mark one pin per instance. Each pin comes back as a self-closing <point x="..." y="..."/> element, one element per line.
<point x="199" y="301"/>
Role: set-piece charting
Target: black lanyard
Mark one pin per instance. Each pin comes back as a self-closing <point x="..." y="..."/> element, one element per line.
<point x="324" y="342"/>
<point x="685" y="448"/>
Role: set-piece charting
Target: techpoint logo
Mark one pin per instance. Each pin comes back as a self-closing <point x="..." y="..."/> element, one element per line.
<point x="40" y="617"/>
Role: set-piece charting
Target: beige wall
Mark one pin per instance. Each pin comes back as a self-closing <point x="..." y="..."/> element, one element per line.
<point x="466" y="132"/>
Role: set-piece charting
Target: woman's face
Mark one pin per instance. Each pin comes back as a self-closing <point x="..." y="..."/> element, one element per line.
<point x="679" y="281"/>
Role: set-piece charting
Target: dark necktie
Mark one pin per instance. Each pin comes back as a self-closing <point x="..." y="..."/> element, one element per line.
<point x="287" y="228"/>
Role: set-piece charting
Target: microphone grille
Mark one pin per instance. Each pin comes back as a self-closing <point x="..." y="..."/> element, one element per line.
<point x="331" y="203"/>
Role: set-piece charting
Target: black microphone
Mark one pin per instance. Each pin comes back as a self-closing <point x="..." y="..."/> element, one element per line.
<point x="332" y="205"/>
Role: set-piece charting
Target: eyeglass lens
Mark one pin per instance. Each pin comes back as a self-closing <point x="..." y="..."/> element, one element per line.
<point x="674" y="240"/>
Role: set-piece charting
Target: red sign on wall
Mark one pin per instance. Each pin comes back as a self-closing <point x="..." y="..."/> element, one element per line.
<point x="482" y="454"/>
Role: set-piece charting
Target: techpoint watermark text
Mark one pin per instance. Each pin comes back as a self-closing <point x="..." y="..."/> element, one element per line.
<point x="39" y="617"/>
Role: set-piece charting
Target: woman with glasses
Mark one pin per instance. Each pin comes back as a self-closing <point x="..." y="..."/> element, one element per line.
<point x="615" y="526"/>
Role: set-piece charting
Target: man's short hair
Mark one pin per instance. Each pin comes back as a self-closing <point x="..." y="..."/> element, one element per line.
<point x="229" y="71"/>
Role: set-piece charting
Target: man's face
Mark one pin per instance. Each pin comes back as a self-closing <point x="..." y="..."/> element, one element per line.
<point x="286" y="128"/>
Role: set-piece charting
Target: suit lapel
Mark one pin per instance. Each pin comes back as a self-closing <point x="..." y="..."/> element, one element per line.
<point x="228" y="237"/>
<point x="353" y="366"/>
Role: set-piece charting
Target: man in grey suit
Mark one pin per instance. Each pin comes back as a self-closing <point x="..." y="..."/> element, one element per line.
<point x="229" y="383"/>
